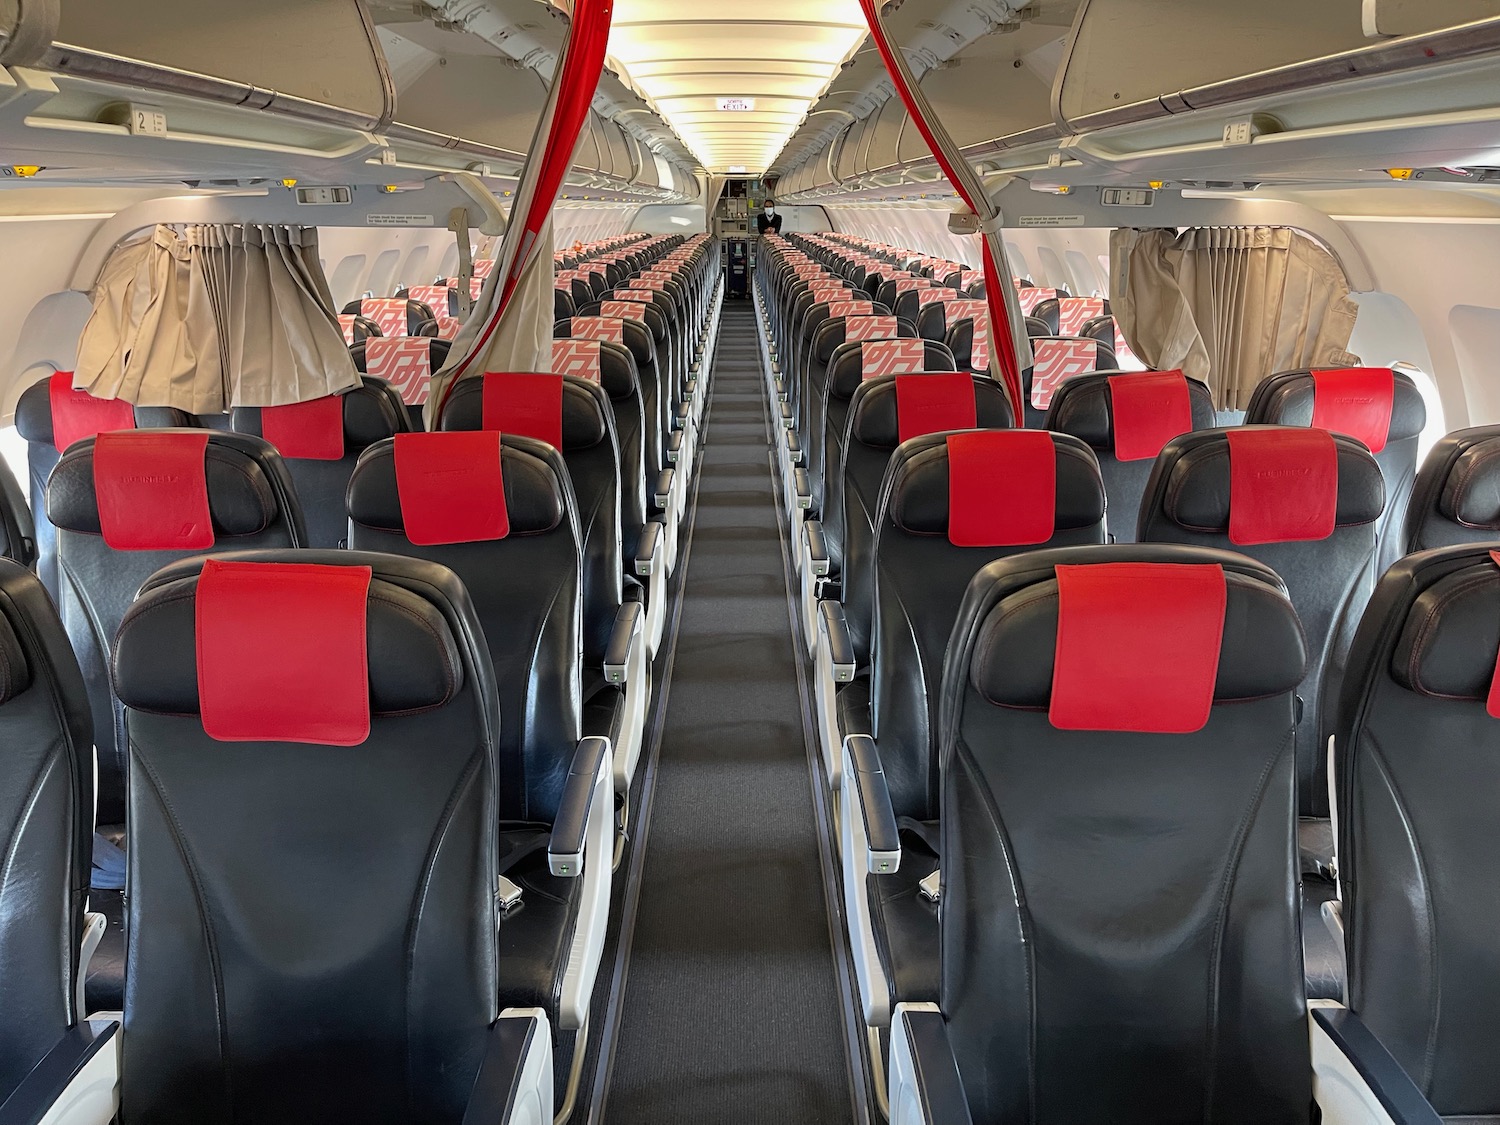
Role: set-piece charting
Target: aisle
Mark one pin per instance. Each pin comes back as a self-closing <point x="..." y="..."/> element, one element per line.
<point x="731" y="1005"/>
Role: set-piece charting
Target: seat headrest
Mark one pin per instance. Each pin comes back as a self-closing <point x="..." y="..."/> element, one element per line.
<point x="855" y="362"/>
<point x="241" y="497"/>
<point x="405" y="362"/>
<point x="1448" y="642"/>
<point x="1262" y="651"/>
<point x="1287" y="399"/>
<point x="534" y="481"/>
<point x="1471" y="489"/>
<point x="35" y="423"/>
<point x="1196" y="492"/>
<point x="331" y="428"/>
<point x="1084" y="407"/>
<point x="919" y="492"/>
<point x="584" y="423"/>
<point x="15" y="672"/>
<point x="875" y="420"/>
<point x="414" y="662"/>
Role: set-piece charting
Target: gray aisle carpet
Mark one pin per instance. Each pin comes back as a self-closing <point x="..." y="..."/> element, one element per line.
<point x="731" y="1009"/>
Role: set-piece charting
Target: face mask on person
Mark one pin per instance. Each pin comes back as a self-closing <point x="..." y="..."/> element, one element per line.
<point x="770" y="211"/>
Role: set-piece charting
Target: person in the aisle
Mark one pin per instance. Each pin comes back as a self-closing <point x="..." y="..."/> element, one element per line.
<point x="768" y="221"/>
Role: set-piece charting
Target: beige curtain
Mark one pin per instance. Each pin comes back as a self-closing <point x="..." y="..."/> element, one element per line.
<point x="207" y="317"/>
<point x="1230" y="305"/>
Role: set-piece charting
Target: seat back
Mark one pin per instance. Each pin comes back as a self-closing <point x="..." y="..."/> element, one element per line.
<point x="575" y="417"/>
<point x="883" y="413"/>
<point x="1084" y="406"/>
<point x="46" y="817"/>
<point x="327" y="952"/>
<point x="118" y="522"/>
<point x="949" y="504"/>
<point x="852" y="364"/>
<point x="509" y="531"/>
<point x="1120" y="927"/>
<point x="1353" y="401"/>
<point x="1418" y="767"/>
<point x="1456" y="496"/>
<point x="614" y="366"/>
<point x="1054" y="360"/>
<point x="50" y="415"/>
<point x="396" y="316"/>
<point x="321" y="440"/>
<point x="17" y="529"/>
<point x="1308" y="510"/>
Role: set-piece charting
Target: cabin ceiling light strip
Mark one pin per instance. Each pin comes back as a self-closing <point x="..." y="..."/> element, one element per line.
<point x="734" y="84"/>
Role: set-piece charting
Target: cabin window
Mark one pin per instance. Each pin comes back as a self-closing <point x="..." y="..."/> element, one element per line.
<point x="1055" y="276"/>
<point x="1084" y="275"/>
<point x="1436" y="426"/>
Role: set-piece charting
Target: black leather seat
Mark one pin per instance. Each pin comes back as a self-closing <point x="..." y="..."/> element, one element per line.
<point x="1083" y="406"/>
<point x="407" y="363"/>
<point x="1119" y="918"/>
<point x="1290" y="399"/>
<point x="321" y="440"/>
<point x="909" y="305"/>
<point x="1418" y="767"/>
<point x="357" y="329"/>
<point x="251" y="503"/>
<point x="847" y="365"/>
<point x="934" y="320"/>
<point x="575" y="416"/>
<point x="287" y="962"/>
<point x="46" y="815"/>
<point x="882" y="413"/>
<point x="17" y="529"/>
<point x="1197" y="496"/>
<point x="1456" y="496"/>
<point x="934" y="532"/>
<point x="509" y="530"/>
<point x="80" y="415"/>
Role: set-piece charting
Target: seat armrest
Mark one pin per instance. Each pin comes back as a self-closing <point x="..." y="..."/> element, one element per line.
<point x="833" y="634"/>
<point x="925" y="1087"/>
<point x="626" y="634"/>
<point x="802" y="486"/>
<point x="661" y="494"/>
<point x="1355" y="1079"/>
<point x="882" y="837"/>
<point x="815" y="547"/>
<point x="76" y="1083"/>
<point x="570" y="829"/>
<point x="648" y="552"/>
<point x="514" y="1083"/>
<point x="674" y="446"/>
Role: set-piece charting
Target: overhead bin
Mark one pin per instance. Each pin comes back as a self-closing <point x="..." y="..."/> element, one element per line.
<point x="1124" y="52"/>
<point x="847" y="147"/>
<point x="885" y="136"/>
<point x="277" y="51"/>
<point x="987" y="95"/>
<point x="480" y="98"/>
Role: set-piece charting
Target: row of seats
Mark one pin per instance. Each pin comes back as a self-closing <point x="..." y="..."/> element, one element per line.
<point x="923" y="511"/>
<point x="537" y="536"/>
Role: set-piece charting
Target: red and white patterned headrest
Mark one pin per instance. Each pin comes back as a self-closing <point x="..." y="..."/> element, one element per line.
<point x="448" y="327"/>
<point x="1073" y="312"/>
<point x="346" y="326"/>
<point x="624" y="310"/>
<point x="636" y="296"/>
<point x="405" y="362"/>
<point x="606" y="327"/>
<point x="388" y="312"/>
<point x="435" y="297"/>
<point x="892" y="357"/>
<point x="1055" y="361"/>
<point x="1031" y="298"/>
<point x="576" y="357"/>
<point x="934" y="293"/>
<point x="483" y="267"/>
<point x="870" y="328"/>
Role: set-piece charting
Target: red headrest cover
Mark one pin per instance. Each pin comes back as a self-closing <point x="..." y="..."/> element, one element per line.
<point x="152" y="490"/>
<point x="930" y="404"/>
<point x="1137" y="646"/>
<point x="1002" y="488"/>
<point x="282" y="654"/>
<point x="1149" y="409"/>
<point x="1283" y="485"/>
<point x="78" y="414"/>
<point x="450" y="487"/>
<point x="525" y="404"/>
<point x="312" y="430"/>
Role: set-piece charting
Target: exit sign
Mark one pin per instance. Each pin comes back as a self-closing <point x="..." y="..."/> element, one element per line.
<point x="738" y="105"/>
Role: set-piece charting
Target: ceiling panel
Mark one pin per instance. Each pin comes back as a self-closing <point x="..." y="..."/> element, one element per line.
<point x="782" y="54"/>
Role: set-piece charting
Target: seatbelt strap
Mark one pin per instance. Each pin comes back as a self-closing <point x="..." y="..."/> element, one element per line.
<point x="927" y="833"/>
<point x="458" y="223"/>
<point x="507" y="893"/>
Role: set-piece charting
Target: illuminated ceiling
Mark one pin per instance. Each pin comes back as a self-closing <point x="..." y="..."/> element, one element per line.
<point x="779" y="55"/>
